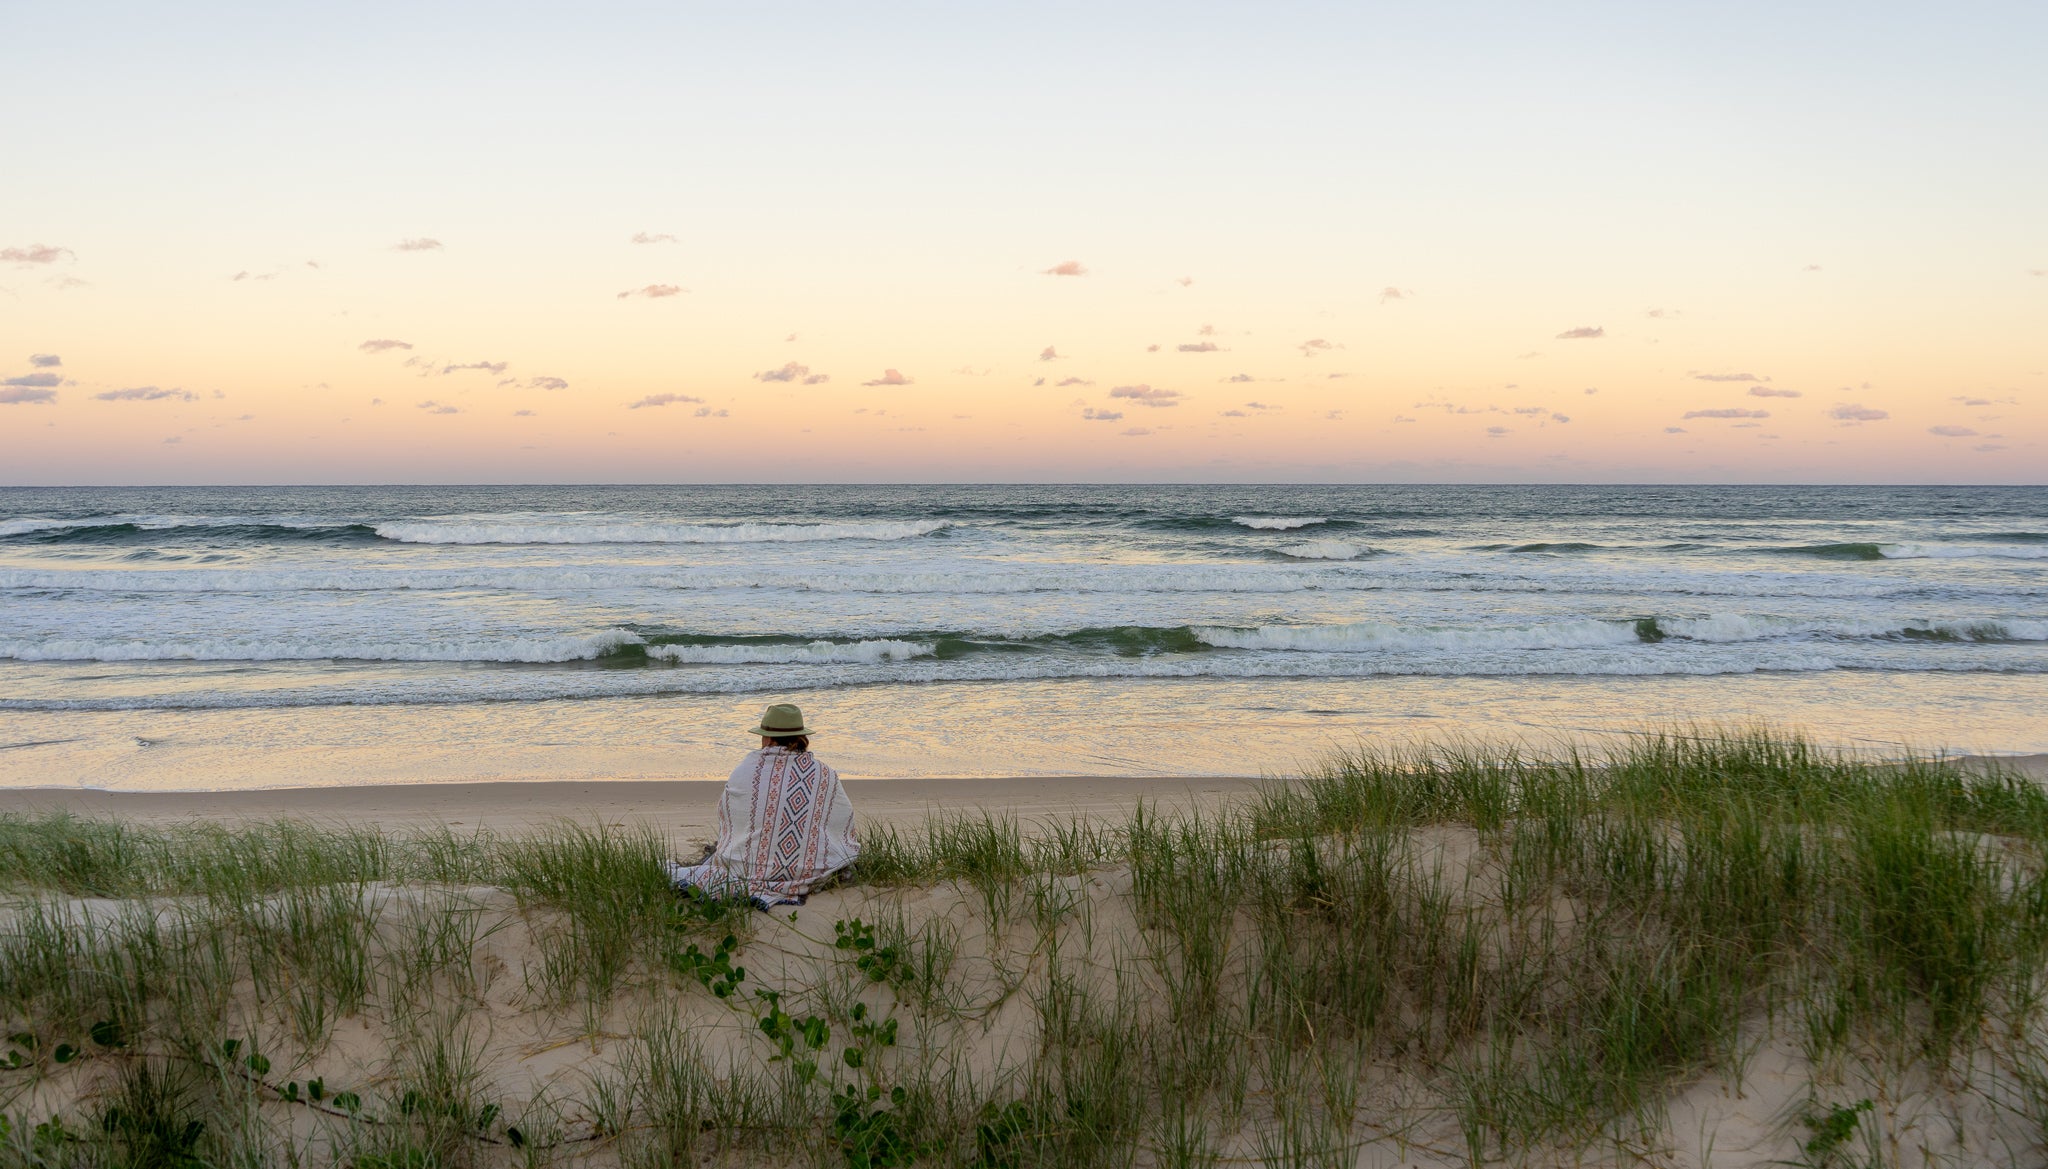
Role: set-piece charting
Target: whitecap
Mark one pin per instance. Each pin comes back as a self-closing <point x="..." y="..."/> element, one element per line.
<point x="638" y="532"/>
<point x="1267" y="523"/>
<point x="1326" y="550"/>
<point x="863" y="652"/>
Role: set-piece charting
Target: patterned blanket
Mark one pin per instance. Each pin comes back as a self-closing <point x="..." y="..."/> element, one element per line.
<point x="784" y="826"/>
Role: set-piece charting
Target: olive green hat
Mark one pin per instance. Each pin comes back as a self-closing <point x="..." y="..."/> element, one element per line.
<point x="782" y="721"/>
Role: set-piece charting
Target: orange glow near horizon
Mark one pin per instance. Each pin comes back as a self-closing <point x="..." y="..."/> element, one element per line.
<point x="1328" y="247"/>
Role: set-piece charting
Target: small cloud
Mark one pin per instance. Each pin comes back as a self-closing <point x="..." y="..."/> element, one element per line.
<point x="1151" y="348"/>
<point x="662" y="400"/>
<point x="490" y="367"/>
<point x="652" y="291"/>
<point x="889" y="377"/>
<point x="546" y="383"/>
<point x="1988" y="447"/>
<point x="1135" y="431"/>
<point x="1952" y="431"/>
<point x="1497" y="431"/>
<point x="1728" y="412"/>
<point x="1039" y="382"/>
<point x="1582" y="333"/>
<point x="1663" y="313"/>
<point x="659" y="237"/>
<point x="1333" y="415"/>
<point x="11" y="395"/>
<point x="1560" y="418"/>
<point x="817" y="379"/>
<point x="44" y="360"/>
<point x="1592" y="389"/>
<point x="1146" y="395"/>
<point x="788" y="371"/>
<point x="1855" y="413"/>
<point x="1072" y="381"/>
<point x="1262" y="406"/>
<point x="1971" y="401"/>
<point x="146" y="394"/>
<point x="522" y="413"/>
<point x="382" y="344"/>
<point x="1184" y="281"/>
<point x="1066" y="268"/>
<point x="1206" y="331"/>
<point x="1746" y="426"/>
<point x="1674" y="430"/>
<point x="1336" y="375"/>
<point x="1392" y="293"/>
<point x="67" y="283"/>
<point x="1314" y="345"/>
<point x="35" y="254"/>
<point x="1727" y="377"/>
<point x="245" y="418"/>
<point x="708" y="412"/>
<point x="34" y="380"/>
<point x="422" y="244"/>
<point x="1773" y="392"/>
<point x="433" y="407"/>
<point x="1241" y="377"/>
<point x="1235" y="414"/>
<point x="1811" y="268"/>
<point x="173" y="440"/>
<point x="1048" y="354"/>
<point x="376" y="401"/>
<point x="1199" y="347"/>
<point x="1094" y="415"/>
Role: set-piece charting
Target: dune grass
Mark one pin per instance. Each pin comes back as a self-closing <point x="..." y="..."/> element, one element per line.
<point x="1469" y="952"/>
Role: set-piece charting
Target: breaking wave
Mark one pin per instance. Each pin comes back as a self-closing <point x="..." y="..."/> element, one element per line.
<point x="633" y="532"/>
<point x="1278" y="523"/>
<point x="623" y="645"/>
<point x="882" y="650"/>
<point x="1326" y="550"/>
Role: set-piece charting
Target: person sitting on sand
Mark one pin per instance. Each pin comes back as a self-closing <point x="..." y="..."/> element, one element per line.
<point x="784" y="822"/>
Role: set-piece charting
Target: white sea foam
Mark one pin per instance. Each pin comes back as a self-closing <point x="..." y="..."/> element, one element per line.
<point x="631" y="532"/>
<point x="256" y="648"/>
<point x="1326" y="550"/>
<point x="1269" y="523"/>
<point x="1964" y="551"/>
<point x="1378" y="637"/>
<point x="1729" y="628"/>
<point x="1418" y="573"/>
<point x="865" y="652"/>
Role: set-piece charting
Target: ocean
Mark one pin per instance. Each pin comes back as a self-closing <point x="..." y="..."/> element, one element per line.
<point x="241" y="637"/>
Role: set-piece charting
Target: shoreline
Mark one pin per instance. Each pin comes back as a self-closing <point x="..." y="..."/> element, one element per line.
<point x="683" y="806"/>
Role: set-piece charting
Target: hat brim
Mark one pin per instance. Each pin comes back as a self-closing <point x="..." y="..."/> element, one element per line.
<point x="781" y="732"/>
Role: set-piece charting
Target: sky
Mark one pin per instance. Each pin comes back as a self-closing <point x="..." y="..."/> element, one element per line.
<point x="1366" y="242"/>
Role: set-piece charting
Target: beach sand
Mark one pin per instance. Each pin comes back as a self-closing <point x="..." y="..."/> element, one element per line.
<point x="684" y="808"/>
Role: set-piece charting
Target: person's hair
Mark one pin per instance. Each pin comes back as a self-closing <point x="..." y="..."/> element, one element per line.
<point x="793" y="742"/>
